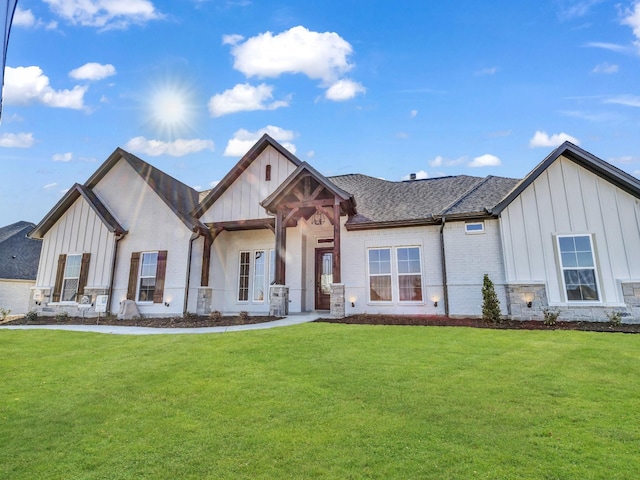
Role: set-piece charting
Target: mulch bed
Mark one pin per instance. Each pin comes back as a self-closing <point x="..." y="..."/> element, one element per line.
<point x="441" y="321"/>
<point x="191" y="321"/>
<point x="195" y="321"/>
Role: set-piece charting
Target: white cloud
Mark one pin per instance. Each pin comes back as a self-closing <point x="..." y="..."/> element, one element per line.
<point x="440" y="161"/>
<point x="421" y="175"/>
<point x="577" y="9"/>
<point x="23" y="18"/>
<point x="243" y="140"/>
<point x="177" y="148"/>
<point x="28" y="85"/>
<point x="242" y="98"/>
<point x="49" y="186"/>
<point x="93" y="71"/>
<point x="233" y="39"/>
<point x="486" y="71"/>
<point x="542" y="139"/>
<point x="632" y="19"/>
<point x="614" y="47"/>
<point x="344" y="89"/>
<point x="486" y="160"/>
<point x="62" y="157"/>
<point x="105" y="14"/>
<point x="16" y="140"/>
<point x="214" y="183"/>
<point x="605" y="67"/>
<point x="413" y="113"/>
<point x="627" y="100"/>
<point x="298" y="50"/>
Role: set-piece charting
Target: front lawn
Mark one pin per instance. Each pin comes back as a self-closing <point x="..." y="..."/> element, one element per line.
<point x="321" y="401"/>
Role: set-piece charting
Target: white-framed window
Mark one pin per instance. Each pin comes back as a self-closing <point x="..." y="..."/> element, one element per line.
<point x="472" y="228"/>
<point x="147" y="277"/>
<point x="71" y="278"/>
<point x="380" y="275"/>
<point x="243" y="277"/>
<point x="409" y="274"/>
<point x="579" y="275"/>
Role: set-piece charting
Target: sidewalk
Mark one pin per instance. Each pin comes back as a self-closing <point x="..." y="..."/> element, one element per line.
<point x="293" y="319"/>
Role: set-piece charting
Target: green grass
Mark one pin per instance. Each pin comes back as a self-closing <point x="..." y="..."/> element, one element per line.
<point x="321" y="401"/>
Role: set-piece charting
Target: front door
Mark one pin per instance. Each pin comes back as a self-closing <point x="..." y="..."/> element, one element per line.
<point x="324" y="278"/>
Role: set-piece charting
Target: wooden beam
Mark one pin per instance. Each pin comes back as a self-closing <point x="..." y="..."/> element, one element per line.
<point x="290" y="215"/>
<point x="281" y="247"/>
<point x="327" y="213"/>
<point x="316" y="192"/>
<point x="323" y="202"/>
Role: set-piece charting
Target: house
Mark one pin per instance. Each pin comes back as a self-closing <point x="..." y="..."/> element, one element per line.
<point x="19" y="257"/>
<point x="277" y="236"/>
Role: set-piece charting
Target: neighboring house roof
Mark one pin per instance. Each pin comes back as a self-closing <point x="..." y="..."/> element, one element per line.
<point x="19" y="254"/>
<point x="180" y="198"/>
<point x="623" y="180"/>
<point x="240" y="167"/>
<point x="66" y="201"/>
<point x="420" y="202"/>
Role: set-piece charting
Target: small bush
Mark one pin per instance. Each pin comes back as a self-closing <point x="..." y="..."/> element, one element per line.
<point x="244" y="316"/>
<point x="62" y="317"/>
<point x="491" y="304"/>
<point x="4" y="313"/>
<point x="550" y="317"/>
<point x="189" y="316"/>
<point x="615" y="318"/>
<point x="215" y="315"/>
<point x="31" y="315"/>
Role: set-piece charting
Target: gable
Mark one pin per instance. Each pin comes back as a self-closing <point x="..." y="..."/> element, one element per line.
<point x="238" y="196"/>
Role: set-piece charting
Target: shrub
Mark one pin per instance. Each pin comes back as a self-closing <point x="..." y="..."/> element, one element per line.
<point x="550" y="317"/>
<point x="189" y="316"/>
<point x="215" y="315"/>
<point x="4" y="313"/>
<point x="490" y="304"/>
<point x="244" y="315"/>
<point x="31" y="315"/>
<point x="615" y="318"/>
<point x="62" y="317"/>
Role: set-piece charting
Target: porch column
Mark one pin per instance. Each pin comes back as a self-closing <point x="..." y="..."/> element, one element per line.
<point x="206" y="261"/>
<point x="281" y="247"/>
<point x="336" y="243"/>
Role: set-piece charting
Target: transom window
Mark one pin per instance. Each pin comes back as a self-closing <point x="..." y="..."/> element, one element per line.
<point x="148" y="269"/>
<point x="71" y="278"/>
<point x="578" y="268"/>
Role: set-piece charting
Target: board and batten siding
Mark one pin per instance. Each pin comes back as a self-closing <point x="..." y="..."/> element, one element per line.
<point x="241" y="201"/>
<point x="151" y="226"/>
<point x="567" y="199"/>
<point x="79" y="230"/>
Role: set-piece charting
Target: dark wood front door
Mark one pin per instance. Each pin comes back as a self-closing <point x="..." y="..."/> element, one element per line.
<point x="324" y="278"/>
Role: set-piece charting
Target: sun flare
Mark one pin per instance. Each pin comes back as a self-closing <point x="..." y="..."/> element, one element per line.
<point x="171" y="109"/>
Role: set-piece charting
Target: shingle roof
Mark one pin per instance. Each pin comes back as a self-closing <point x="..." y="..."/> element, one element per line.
<point x="421" y="201"/>
<point x="19" y="255"/>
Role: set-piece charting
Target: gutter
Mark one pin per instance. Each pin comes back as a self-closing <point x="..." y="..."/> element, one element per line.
<point x="445" y="289"/>
<point x="118" y="236"/>
<point x="197" y="233"/>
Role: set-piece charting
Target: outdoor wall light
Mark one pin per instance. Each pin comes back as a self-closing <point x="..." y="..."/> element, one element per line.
<point x="435" y="299"/>
<point x="529" y="304"/>
<point x="166" y="304"/>
<point x="353" y="304"/>
<point x="528" y="298"/>
<point x="435" y="303"/>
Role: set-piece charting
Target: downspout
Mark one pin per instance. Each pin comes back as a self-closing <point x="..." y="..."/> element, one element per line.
<point x="195" y="235"/>
<point x="445" y="288"/>
<point x="118" y="237"/>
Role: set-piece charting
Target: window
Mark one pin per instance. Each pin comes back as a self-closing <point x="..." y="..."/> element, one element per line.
<point x="380" y="275"/>
<point x="409" y="274"/>
<point x="147" y="273"/>
<point x="71" y="278"/>
<point x="272" y="267"/>
<point x="259" y="271"/>
<point x="243" y="280"/>
<point x="148" y="270"/>
<point x="578" y="268"/>
<point x="474" y="227"/>
<point x="267" y="173"/>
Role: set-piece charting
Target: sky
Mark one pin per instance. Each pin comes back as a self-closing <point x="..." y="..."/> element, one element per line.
<point x="351" y="86"/>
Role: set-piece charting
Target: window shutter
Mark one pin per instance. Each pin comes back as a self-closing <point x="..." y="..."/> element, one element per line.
<point x="133" y="276"/>
<point x="57" y="289"/>
<point x="84" y="273"/>
<point x="161" y="271"/>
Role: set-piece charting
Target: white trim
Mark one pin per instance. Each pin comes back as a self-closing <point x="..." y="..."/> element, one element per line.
<point x="594" y="267"/>
<point x="472" y="230"/>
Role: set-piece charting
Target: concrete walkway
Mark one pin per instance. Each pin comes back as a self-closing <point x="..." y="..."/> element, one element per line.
<point x="293" y="319"/>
